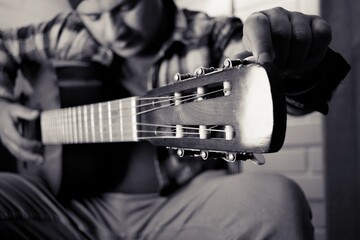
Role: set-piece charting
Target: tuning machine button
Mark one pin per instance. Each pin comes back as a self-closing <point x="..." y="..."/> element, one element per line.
<point x="228" y="63"/>
<point x="248" y="60"/>
<point x="187" y="152"/>
<point x="258" y="159"/>
<point x="182" y="76"/>
<point x="203" y="70"/>
<point x="229" y="157"/>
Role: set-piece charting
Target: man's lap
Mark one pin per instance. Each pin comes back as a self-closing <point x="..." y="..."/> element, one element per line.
<point x="214" y="205"/>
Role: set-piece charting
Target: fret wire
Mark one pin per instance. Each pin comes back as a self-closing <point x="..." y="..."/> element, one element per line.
<point x="100" y="123"/>
<point x="121" y="121"/>
<point x="70" y="125"/>
<point x="79" y="116"/>
<point x="110" y="125"/>
<point x="66" y="126"/>
<point x="60" y="126"/>
<point x="86" y="124"/>
<point x="92" y="122"/>
<point x="133" y="120"/>
<point x="73" y="113"/>
<point x="54" y="133"/>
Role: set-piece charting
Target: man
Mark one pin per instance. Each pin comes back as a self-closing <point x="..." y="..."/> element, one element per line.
<point x="146" y="43"/>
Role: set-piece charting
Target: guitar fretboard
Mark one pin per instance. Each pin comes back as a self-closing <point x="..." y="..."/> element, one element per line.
<point x="112" y="121"/>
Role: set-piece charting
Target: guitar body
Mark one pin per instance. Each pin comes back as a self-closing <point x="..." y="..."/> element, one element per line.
<point x="82" y="169"/>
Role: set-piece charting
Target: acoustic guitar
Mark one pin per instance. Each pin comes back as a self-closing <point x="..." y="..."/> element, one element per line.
<point x="228" y="113"/>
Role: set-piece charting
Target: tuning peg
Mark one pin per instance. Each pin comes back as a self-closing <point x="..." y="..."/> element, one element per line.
<point x="187" y="152"/>
<point x="229" y="157"/>
<point x="248" y="60"/>
<point x="232" y="62"/>
<point x="179" y="76"/>
<point x="205" y="155"/>
<point x="258" y="159"/>
<point x="203" y="70"/>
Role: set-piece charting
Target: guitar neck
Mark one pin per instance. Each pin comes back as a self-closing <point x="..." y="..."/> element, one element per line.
<point x="112" y="121"/>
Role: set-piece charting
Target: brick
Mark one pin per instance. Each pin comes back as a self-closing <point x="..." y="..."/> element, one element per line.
<point x="243" y="9"/>
<point x="310" y="7"/>
<point x="319" y="213"/>
<point x="313" y="118"/>
<point x="315" y="158"/>
<point x="287" y="160"/>
<point x="313" y="186"/>
<point x="304" y="135"/>
<point x="320" y="234"/>
<point x="212" y="7"/>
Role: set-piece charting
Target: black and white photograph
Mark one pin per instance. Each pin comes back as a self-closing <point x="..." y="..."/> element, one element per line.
<point x="179" y="120"/>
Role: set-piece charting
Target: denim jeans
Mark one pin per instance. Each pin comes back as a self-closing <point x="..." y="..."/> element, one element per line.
<point x="214" y="205"/>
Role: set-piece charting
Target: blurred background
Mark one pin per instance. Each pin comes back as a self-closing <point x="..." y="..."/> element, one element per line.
<point x="321" y="154"/>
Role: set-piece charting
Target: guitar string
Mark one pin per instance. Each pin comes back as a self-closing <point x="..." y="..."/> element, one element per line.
<point x="166" y="99"/>
<point x="173" y="127"/>
<point x="157" y="134"/>
<point x="114" y="116"/>
<point x="70" y="114"/>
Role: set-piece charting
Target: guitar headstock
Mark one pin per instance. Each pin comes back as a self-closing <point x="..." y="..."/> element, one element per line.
<point x="233" y="112"/>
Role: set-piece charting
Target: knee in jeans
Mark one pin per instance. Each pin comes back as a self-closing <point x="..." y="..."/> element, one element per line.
<point x="8" y="179"/>
<point x="277" y="189"/>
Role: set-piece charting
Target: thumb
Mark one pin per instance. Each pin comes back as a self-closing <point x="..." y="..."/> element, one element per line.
<point x="24" y="113"/>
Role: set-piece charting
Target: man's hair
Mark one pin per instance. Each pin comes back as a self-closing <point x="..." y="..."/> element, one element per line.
<point x="74" y="3"/>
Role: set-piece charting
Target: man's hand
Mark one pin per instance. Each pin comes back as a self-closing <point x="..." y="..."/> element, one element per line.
<point x="22" y="148"/>
<point x="295" y="42"/>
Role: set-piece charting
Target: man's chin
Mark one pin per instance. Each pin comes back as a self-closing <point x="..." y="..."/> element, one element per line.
<point x="127" y="52"/>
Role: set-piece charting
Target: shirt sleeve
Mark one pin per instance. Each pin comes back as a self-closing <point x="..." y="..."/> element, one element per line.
<point x="62" y="38"/>
<point x="324" y="80"/>
<point x="30" y="43"/>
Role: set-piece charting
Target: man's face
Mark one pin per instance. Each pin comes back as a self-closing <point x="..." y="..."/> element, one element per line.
<point x="125" y="26"/>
